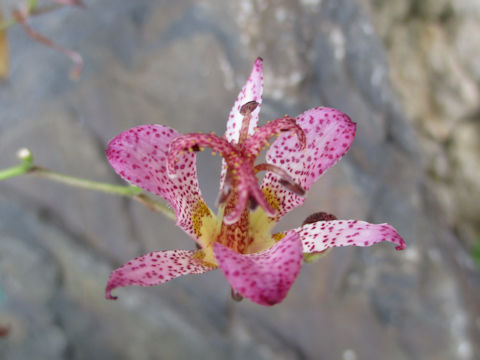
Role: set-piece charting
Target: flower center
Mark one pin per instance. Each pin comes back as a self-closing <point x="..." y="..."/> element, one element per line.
<point x="240" y="187"/>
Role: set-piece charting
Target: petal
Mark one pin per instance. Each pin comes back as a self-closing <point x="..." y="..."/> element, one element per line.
<point x="139" y="155"/>
<point x="251" y="91"/>
<point x="329" y="135"/>
<point x="154" y="268"/>
<point x="322" y="235"/>
<point x="265" y="277"/>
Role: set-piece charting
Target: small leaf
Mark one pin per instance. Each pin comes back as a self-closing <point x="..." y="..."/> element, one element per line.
<point x="4" y="52"/>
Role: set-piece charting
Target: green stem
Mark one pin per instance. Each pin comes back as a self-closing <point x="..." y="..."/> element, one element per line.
<point x="12" y="172"/>
<point x="27" y="167"/>
<point x="85" y="184"/>
<point x="27" y="163"/>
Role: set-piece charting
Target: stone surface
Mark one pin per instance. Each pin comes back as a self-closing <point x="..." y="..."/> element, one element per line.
<point x="435" y="70"/>
<point x="181" y="64"/>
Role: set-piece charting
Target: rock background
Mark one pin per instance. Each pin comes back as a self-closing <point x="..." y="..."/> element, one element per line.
<point x="435" y="68"/>
<point x="406" y="72"/>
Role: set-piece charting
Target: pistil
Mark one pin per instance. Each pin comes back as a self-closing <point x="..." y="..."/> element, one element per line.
<point x="241" y="185"/>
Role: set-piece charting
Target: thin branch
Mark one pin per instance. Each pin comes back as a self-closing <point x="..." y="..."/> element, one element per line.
<point x="27" y="167"/>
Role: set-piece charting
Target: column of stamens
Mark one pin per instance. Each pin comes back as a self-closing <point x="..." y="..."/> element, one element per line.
<point x="285" y="179"/>
<point x="246" y="110"/>
<point x="244" y="185"/>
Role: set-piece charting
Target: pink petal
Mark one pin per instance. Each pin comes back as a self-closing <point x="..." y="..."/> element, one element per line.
<point x="154" y="268"/>
<point x="322" y="235"/>
<point x="329" y="135"/>
<point x="139" y="155"/>
<point x="251" y="91"/>
<point x="265" y="277"/>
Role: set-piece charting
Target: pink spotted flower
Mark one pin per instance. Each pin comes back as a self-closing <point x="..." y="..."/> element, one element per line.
<point x="238" y="239"/>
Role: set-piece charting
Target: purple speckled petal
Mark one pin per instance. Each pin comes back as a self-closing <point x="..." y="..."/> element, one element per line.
<point x="251" y="91"/>
<point x="139" y="155"/>
<point x="329" y="135"/>
<point x="266" y="277"/>
<point x="321" y="235"/>
<point x="154" y="268"/>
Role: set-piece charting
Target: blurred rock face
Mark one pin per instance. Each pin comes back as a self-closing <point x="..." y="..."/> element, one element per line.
<point x="181" y="64"/>
<point x="436" y="70"/>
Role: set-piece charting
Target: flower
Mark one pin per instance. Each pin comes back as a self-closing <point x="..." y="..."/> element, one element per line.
<point x="259" y="266"/>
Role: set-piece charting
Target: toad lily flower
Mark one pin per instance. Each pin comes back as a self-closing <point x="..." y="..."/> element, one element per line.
<point x="258" y="265"/>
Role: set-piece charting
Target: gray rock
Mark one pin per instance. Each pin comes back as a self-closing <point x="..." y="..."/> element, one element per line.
<point x="181" y="64"/>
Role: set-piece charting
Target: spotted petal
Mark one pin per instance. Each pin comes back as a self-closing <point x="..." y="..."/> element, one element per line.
<point x="154" y="268"/>
<point x="265" y="277"/>
<point x="329" y="135"/>
<point x="321" y="235"/>
<point x="251" y="91"/>
<point x="139" y="156"/>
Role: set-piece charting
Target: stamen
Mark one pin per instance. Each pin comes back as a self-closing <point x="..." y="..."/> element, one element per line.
<point x="319" y="216"/>
<point x="293" y="187"/>
<point x="241" y="202"/>
<point x="246" y="110"/>
<point x="285" y="179"/>
<point x="226" y="189"/>
<point x="253" y="203"/>
<point x="236" y="295"/>
<point x="248" y="107"/>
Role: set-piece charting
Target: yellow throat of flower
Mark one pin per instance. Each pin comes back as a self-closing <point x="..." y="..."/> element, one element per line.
<point x="258" y="237"/>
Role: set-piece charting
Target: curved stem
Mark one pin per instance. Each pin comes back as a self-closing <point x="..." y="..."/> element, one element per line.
<point x="84" y="183"/>
<point x="27" y="167"/>
<point x="33" y="10"/>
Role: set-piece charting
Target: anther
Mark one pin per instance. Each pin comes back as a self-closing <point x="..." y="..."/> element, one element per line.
<point x="319" y="216"/>
<point x="248" y="107"/>
<point x="285" y="179"/>
<point x="292" y="186"/>
<point x="236" y="295"/>
<point x="253" y="203"/>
